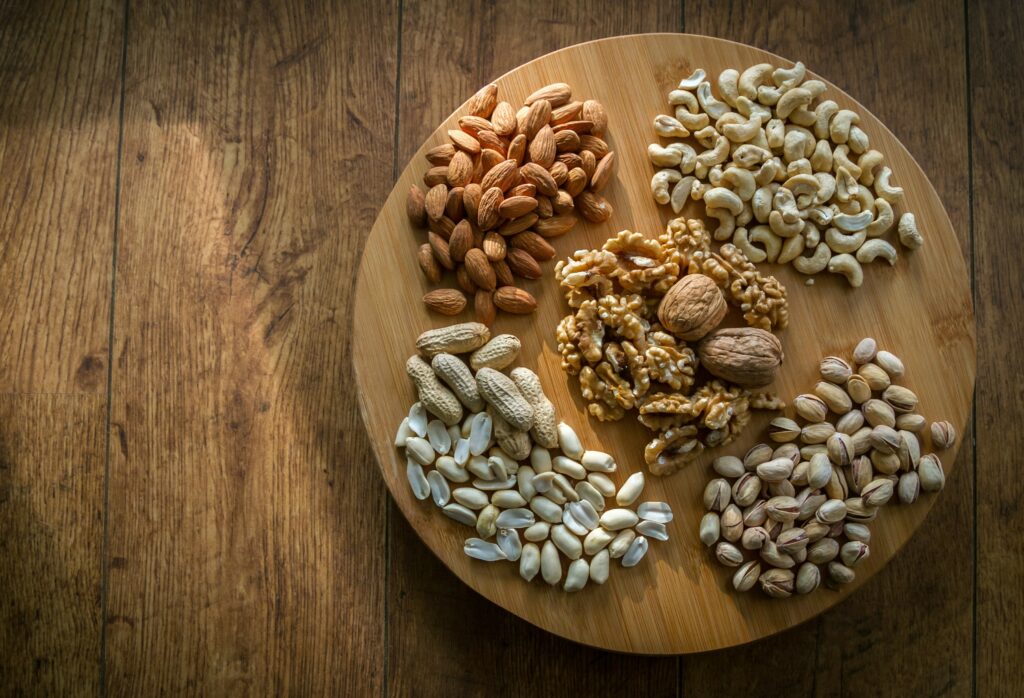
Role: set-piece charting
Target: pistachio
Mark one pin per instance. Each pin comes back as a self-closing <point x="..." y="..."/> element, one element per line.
<point x="909" y="451"/>
<point x="792" y="540"/>
<point x="777" y="583"/>
<point x="822" y="551"/>
<point x="837" y="399"/>
<point x="902" y="399"/>
<point x="783" y="429"/>
<point x="909" y="487"/>
<point x="710" y="528"/>
<point x="732" y="523"/>
<point x="816" y="531"/>
<point x="799" y="474"/>
<point x="810" y="407"/>
<point x="758" y="454"/>
<point x="911" y="422"/>
<point x="943" y="435"/>
<point x="716" y="495"/>
<point x="789" y="450"/>
<point x="858" y="389"/>
<point x="853" y="552"/>
<point x="771" y="554"/>
<point x="862" y="441"/>
<point x="875" y="376"/>
<point x="837" y="487"/>
<point x="877" y="412"/>
<point x="885" y="463"/>
<point x="860" y="474"/>
<point x="857" y="511"/>
<point x="930" y="471"/>
<point x="745" y="489"/>
<point x="808" y="578"/>
<point x="865" y="350"/>
<point x="728" y="554"/>
<point x="755" y="514"/>
<point x="728" y="466"/>
<point x="890" y="363"/>
<point x="850" y="422"/>
<point x="885" y="439"/>
<point x="783" y="488"/>
<point x="840" y="449"/>
<point x="775" y="470"/>
<point x="840" y="573"/>
<point x="746" y="576"/>
<point x="782" y="508"/>
<point x="877" y="493"/>
<point x="856" y="531"/>
<point x="810" y="506"/>
<point x="832" y="511"/>
<point x="754" y="538"/>
<point x="811" y="450"/>
<point x="835" y="370"/>
<point x="817" y="433"/>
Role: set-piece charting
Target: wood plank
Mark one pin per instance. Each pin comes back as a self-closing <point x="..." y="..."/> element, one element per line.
<point x="997" y="200"/>
<point x="60" y="68"/>
<point x="447" y="54"/>
<point x="246" y="520"/>
<point x="851" y="649"/>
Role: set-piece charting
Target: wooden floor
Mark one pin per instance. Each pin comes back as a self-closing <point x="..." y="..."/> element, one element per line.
<point x="188" y="503"/>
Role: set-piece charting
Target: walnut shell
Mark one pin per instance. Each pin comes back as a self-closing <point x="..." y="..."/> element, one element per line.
<point x="692" y="307"/>
<point x="746" y="356"/>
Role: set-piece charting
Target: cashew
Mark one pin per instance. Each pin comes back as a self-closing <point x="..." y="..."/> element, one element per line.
<point x="761" y="202"/>
<point x="824" y="111"/>
<point x="865" y="198"/>
<point x="848" y="266"/>
<point x="742" y="132"/>
<point x="748" y="155"/>
<point x="766" y="173"/>
<point x="785" y="203"/>
<point x="782" y="228"/>
<point x="438" y="400"/>
<point x="688" y="159"/>
<point x="826" y="187"/>
<point x="748" y="108"/>
<point x="453" y="371"/>
<point x="799" y="143"/>
<point x="682" y="98"/>
<point x="775" y="131"/>
<point x="742" y="242"/>
<point x="839" y="127"/>
<point x="804" y="187"/>
<point x="821" y="158"/>
<point x="789" y="77"/>
<point x="798" y="167"/>
<point x="909" y="235"/>
<point x="792" y="100"/>
<point x="708" y="103"/>
<point x="720" y="197"/>
<point x="839" y="242"/>
<point x="816" y="262"/>
<point x="697" y="192"/>
<point x="852" y="224"/>
<point x="753" y="77"/>
<point x="867" y="163"/>
<point x="665" y="156"/>
<point x="727" y="85"/>
<point x="669" y="127"/>
<point x="746" y="215"/>
<point x="501" y="393"/>
<point x="759" y="139"/>
<point x="883" y="219"/>
<point x="715" y="176"/>
<point x="742" y="182"/>
<point x="660" y="183"/>
<point x="716" y="155"/>
<point x="791" y="249"/>
<point x="691" y="83"/>
<point x="820" y="215"/>
<point x="802" y="116"/>
<point x="726" y="223"/>
<point x="680" y="192"/>
<point x="846" y="185"/>
<point x="858" y="140"/>
<point x="768" y="95"/>
<point x="873" y="249"/>
<point x="707" y="136"/>
<point x="887" y="191"/>
<point x="693" y="122"/>
<point x="812" y="236"/>
<point x="772" y="242"/>
<point x="815" y="87"/>
<point x="850" y="207"/>
<point x="840" y="159"/>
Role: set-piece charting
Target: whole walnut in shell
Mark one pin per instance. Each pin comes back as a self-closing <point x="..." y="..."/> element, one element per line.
<point x="746" y="356"/>
<point x="692" y="307"/>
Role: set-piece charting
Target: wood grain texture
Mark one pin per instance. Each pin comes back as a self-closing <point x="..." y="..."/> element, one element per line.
<point x="997" y="200"/>
<point x="60" y="83"/>
<point x="246" y="542"/>
<point x="845" y="651"/>
<point x="676" y="602"/>
<point x="428" y="606"/>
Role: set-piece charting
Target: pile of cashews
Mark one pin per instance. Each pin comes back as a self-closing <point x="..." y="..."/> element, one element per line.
<point x="789" y="178"/>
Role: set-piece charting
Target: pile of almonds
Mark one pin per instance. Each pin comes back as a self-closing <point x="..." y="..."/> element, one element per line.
<point x="501" y="464"/>
<point x="801" y="509"/>
<point x="507" y="182"/>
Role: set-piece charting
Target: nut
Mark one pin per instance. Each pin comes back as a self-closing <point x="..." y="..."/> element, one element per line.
<point x="943" y="434"/>
<point x="746" y="356"/>
<point x="498" y="353"/>
<point x="500" y="392"/>
<point x="545" y="426"/>
<point x="454" y="372"/>
<point x="514" y="300"/>
<point x="454" y="339"/>
<point x="835" y="370"/>
<point x="438" y="400"/>
<point x="692" y="307"/>
<point x="446" y="301"/>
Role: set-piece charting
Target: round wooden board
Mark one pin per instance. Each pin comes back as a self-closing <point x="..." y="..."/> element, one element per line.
<point x="678" y="600"/>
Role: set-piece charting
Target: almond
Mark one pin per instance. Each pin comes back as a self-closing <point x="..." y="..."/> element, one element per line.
<point x="517" y="149"/>
<point x="594" y="207"/>
<point x="443" y="226"/>
<point x="595" y="145"/>
<point x="489" y="140"/>
<point x="559" y="172"/>
<point x="526" y="189"/>
<point x="567" y="141"/>
<point x="557" y="93"/>
<point x="576" y="181"/>
<point x="460" y="170"/>
<point x="542" y="147"/>
<point x="603" y="173"/>
<point x="545" y="207"/>
<point x="435" y="201"/>
<point x="580" y="127"/>
<point x="440" y="249"/>
<point x="436" y="175"/>
<point x="593" y="111"/>
<point x="502" y="176"/>
<point x="537" y="117"/>
<point x="555" y="226"/>
<point x="539" y="177"/>
<point x="415" y="208"/>
<point x="479" y="269"/>
<point x="461" y="241"/>
<point x="474" y="125"/>
<point x="429" y="265"/>
<point x="478" y="237"/>
<point x="488" y="211"/>
<point x="464" y="141"/>
<point x="531" y="242"/>
<point x="502" y="273"/>
<point x="483" y="304"/>
<point x="571" y="160"/>
<point x="566" y="112"/>
<point x="447" y="301"/>
<point x="494" y="246"/>
<point x="489" y="159"/>
<point x="441" y="154"/>
<point x="516" y="206"/>
<point x="484" y="101"/>
<point x="562" y="203"/>
<point x="514" y="300"/>
<point x="471" y="200"/>
<point x="588" y="162"/>
<point x="521" y="263"/>
<point x="504" y="119"/>
<point x="453" y="208"/>
<point x="462" y="277"/>
<point x="517" y="225"/>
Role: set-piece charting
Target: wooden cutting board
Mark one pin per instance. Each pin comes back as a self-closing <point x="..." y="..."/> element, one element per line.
<point x="678" y="600"/>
